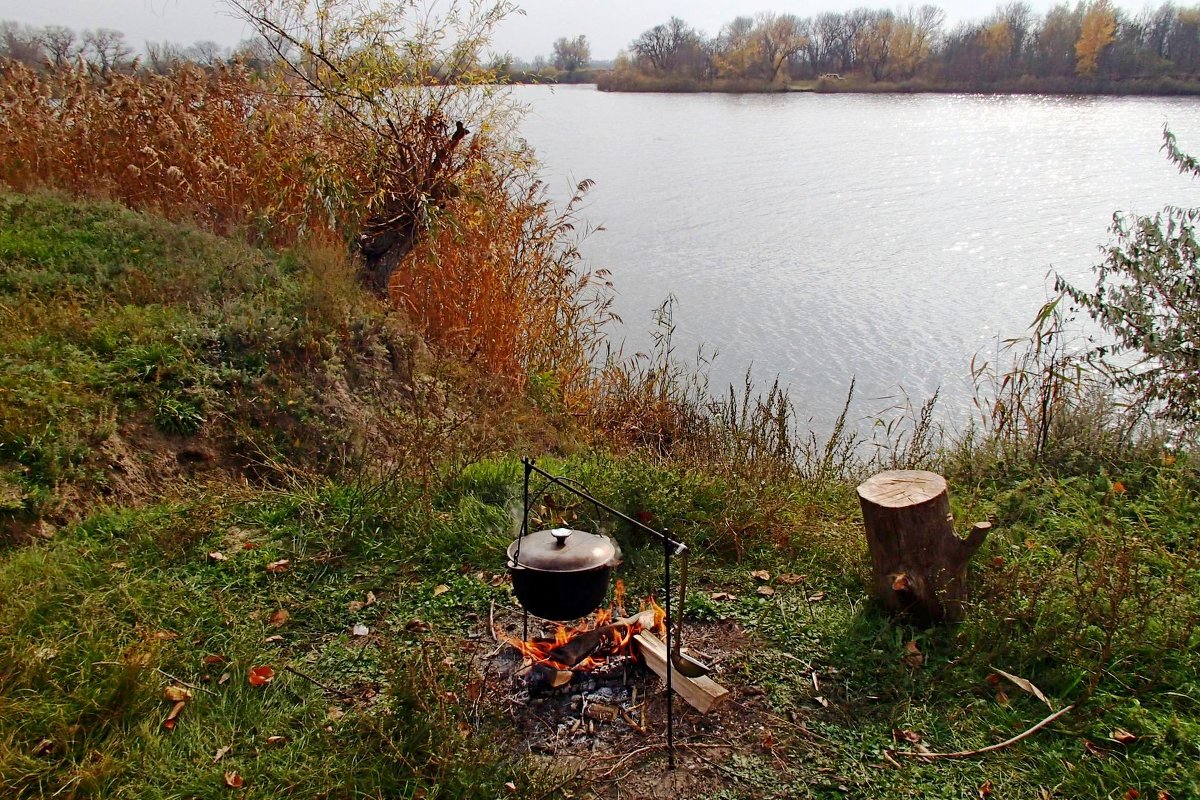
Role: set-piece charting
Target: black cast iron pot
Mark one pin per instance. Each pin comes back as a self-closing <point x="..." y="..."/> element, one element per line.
<point x="561" y="574"/>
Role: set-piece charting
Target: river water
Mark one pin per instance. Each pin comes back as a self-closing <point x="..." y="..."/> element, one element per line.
<point x="819" y="238"/>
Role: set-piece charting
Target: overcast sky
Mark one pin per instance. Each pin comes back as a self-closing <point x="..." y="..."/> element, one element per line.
<point x="609" y="24"/>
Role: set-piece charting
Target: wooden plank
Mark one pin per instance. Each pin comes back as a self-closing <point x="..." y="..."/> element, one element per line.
<point x="703" y="694"/>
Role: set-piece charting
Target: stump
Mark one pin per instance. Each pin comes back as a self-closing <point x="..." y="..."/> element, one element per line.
<point x="919" y="563"/>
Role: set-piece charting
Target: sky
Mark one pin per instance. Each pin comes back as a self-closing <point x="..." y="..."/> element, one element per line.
<point x="609" y="24"/>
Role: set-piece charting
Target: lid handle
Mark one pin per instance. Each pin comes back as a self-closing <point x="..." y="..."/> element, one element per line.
<point x="560" y="536"/>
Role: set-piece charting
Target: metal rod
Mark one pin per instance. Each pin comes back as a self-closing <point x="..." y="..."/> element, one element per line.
<point x="531" y="467"/>
<point x="524" y="533"/>
<point x="667" y="604"/>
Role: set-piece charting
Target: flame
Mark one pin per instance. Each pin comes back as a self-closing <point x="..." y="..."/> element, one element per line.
<point x="618" y="640"/>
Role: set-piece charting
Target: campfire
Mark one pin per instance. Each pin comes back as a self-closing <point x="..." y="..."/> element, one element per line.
<point x="604" y="644"/>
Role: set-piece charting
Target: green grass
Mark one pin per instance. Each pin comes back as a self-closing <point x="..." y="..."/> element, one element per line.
<point x="120" y="327"/>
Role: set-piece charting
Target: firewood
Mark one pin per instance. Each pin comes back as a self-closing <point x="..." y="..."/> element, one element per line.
<point x="702" y="694"/>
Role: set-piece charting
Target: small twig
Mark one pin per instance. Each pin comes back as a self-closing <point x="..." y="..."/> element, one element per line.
<point x="993" y="747"/>
<point x="169" y="676"/>
<point x="317" y="683"/>
<point x="492" y="622"/>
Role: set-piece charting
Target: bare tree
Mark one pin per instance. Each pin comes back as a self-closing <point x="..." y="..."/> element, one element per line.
<point x="162" y="56"/>
<point x="21" y="43"/>
<point x="61" y="43"/>
<point x="206" y="53"/>
<point x="106" y="48"/>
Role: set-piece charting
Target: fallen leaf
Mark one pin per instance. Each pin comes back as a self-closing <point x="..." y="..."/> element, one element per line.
<point x="500" y="579"/>
<point x="1118" y="487"/>
<point x="1132" y="794"/>
<point x="282" y="565"/>
<point x="249" y="545"/>
<point x="274" y="740"/>
<point x="1163" y="794"/>
<point x="440" y="589"/>
<point x="997" y="561"/>
<point x="722" y="596"/>
<point x="1123" y="736"/>
<point x="824" y="703"/>
<point x="213" y="659"/>
<point x="791" y="578"/>
<point x="901" y="583"/>
<point x="165" y="636"/>
<point x="44" y="748"/>
<point x="173" y="716"/>
<point x="1025" y="686"/>
<point x="761" y="574"/>
<point x="1093" y="749"/>
<point x="355" y="606"/>
<point x="273" y="639"/>
<point x="371" y="597"/>
<point x="279" y="617"/>
<point x="816" y="597"/>
<point x="511" y="787"/>
<point x="913" y="656"/>
<point x="118" y="565"/>
<point x="334" y="714"/>
<point x="258" y="676"/>
<point x="985" y="791"/>
<point x="177" y="694"/>
<point x="765" y="591"/>
<point x="419" y="626"/>
<point x="905" y="736"/>
<point x="1002" y="697"/>
<point x="233" y="780"/>
<point x="768" y="741"/>
<point x="217" y="555"/>
<point x="223" y="679"/>
<point x="221" y="751"/>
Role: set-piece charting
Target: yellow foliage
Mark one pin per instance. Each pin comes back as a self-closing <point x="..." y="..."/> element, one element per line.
<point x="1098" y="30"/>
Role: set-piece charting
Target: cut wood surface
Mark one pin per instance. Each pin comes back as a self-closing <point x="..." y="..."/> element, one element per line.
<point x="919" y="563"/>
<point x="702" y="694"/>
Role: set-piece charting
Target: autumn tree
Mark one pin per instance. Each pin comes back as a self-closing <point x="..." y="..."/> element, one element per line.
<point x="1097" y="29"/>
<point x="572" y="54"/>
<point x="780" y="37"/>
<point x="396" y="91"/>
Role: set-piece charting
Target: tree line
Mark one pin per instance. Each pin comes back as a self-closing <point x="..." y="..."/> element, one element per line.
<point x="1092" y="42"/>
<point x="109" y="50"/>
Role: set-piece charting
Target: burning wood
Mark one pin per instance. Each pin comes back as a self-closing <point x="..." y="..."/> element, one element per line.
<point x="583" y="648"/>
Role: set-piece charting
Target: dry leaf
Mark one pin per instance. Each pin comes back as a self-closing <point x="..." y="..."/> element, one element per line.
<point x="213" y="659"/>
<point x="279" y="617"/>
<point x="44" y="748"/>
<point x="233" y="780"/>
<point x="217" y="555"/>
<point x="1118" y="487"/>
<point x="371" y="597"/>
<point x="768" y="741"/>
<point x="176" y="710"/>
<point x="418" y="626"/>
<point x="274" y="740"/>
<point x="1123" y="736"/>
<point x="1093" y="749"/>
<point x="722" y="596"/>
<point x="221" y="751"/>
<point x="816" y="597"/>
<point x="511" y="787"/>
<point x="360" y="630"/>
<point x="258" y="676"/>
<point x="118" y="565"/>
<point x="500" y="579"/>
<point x="913" y="656"/>
<point x="997" y="561"/>
<point x="1002" y="697"/>
<point x="282" y="565"/>
<point x="249" y="546"/>
<point x="334" y="714"/>
<point x="1025" y="686"/>
<point x="355" y="606"/>
<point x="440" y="589"/>
<point x="273" y="639"/>
<point x="765" y="591"/>
<point x="1132" y="794"/>
<point x="165" y="636"/>
<point x="761" y="574"/>
<point x="791" y="578"/>
<point x="985" y="791"/>
<point x="223" y="679"/>
<point x="824" y="703"/>
<point x="905" y="736"/>
<point x="177" y="694"/>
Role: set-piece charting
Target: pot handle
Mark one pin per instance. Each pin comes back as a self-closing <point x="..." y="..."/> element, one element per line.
<point x="560" y="536"/>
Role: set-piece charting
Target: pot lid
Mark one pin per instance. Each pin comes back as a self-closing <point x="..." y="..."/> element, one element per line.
<point x="563" y="550"/>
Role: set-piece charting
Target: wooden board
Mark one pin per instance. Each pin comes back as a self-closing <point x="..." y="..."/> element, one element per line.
<point x="702" y="694"/>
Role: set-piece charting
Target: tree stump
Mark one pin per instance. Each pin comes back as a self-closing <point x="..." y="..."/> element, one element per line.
<point x="919" y="563"/>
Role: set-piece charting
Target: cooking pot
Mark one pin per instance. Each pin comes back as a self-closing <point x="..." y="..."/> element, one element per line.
<point x="561" y="574"/>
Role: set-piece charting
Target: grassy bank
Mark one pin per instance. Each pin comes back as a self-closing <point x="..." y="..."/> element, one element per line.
<point x="218" y="458"/>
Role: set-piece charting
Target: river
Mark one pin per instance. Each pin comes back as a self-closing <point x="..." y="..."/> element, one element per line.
<point x="820" y="238"/>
